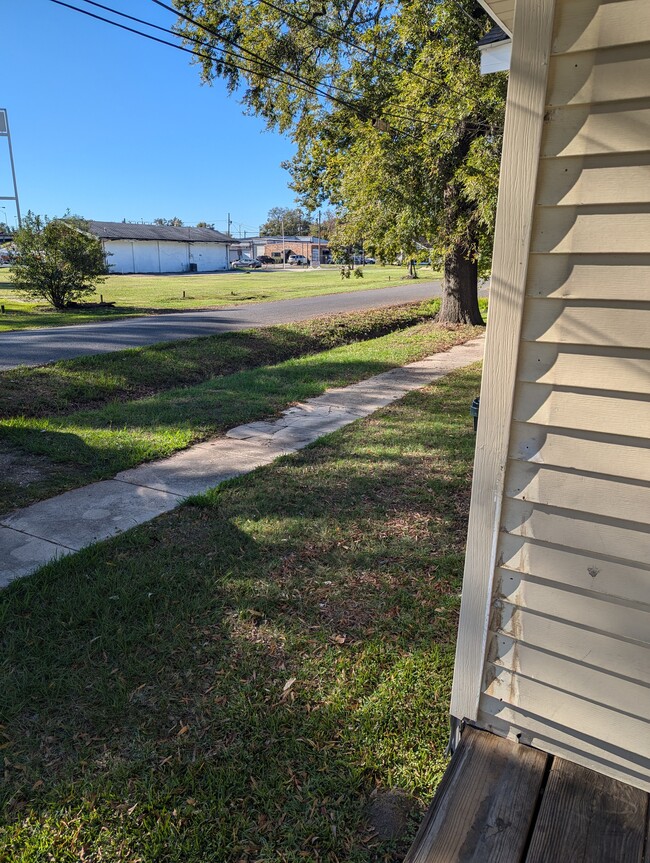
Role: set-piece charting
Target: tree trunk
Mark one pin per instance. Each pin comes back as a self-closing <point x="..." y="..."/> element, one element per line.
<point x="412" y="269"/>
<point x="460" y="291"/>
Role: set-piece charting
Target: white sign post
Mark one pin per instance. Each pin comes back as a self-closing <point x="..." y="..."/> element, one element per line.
<point x="4" y="133"/>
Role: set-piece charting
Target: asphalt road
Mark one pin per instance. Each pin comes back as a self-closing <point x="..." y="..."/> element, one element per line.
<point x="46" y="345"/>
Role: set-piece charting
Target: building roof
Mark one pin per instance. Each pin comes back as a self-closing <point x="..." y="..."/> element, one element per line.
<point x="493" y="36"/>
<point x="287" y="239"/>
<point x="128" y="231"/>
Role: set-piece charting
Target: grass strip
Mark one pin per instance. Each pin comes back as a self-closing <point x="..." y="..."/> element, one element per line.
<point x="88" y="382"/>
<point x="86" y="446"/>
<point x="177" y="292"/>
<point x="234" y="680"/>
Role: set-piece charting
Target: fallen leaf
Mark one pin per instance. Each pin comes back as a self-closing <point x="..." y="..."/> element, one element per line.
<point x="183" y="730"/>
<point x="287" y="686"/>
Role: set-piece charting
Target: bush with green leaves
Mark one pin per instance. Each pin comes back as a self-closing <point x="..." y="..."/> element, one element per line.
<point x="57" y="259"/>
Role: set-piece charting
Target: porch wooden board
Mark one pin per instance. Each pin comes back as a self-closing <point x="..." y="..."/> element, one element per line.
<point x="503" y="802"/>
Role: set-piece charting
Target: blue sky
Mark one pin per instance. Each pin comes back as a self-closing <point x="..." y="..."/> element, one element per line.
<point x="112" y="126"/>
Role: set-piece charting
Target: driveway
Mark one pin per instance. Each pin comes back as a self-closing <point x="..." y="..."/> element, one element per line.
<point x="40" y="346"/>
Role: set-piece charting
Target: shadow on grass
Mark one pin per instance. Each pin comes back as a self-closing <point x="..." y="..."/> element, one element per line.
<point x="231" y="681"/>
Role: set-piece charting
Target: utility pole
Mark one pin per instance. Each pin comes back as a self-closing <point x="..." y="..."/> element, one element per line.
<point x="320" y="254"/>
<point x="4" y="133"/>
<point x="229" y="224"/>
<point x="284" y="261"/>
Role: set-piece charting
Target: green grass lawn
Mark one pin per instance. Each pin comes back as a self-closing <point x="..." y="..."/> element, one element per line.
<point x="140" y="294"/>
<point x="232" y="681"/>
<point x="89" y="438"/>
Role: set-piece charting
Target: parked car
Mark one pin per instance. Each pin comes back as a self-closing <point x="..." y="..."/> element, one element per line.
<point x="265" y="259"/>
<point x="360" y="259"/>
<point x="298" y="260"/>
<point x="245" y="264"/>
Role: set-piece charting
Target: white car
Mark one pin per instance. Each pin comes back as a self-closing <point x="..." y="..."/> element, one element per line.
<point x="298" y="260"/>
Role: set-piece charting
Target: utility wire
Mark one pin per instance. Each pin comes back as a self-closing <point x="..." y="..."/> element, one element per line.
<point x="309" y="88"/>
<point x="362" y="48"/>
<point x="303" y="85"/>
<point x="218" y="35"/>
<point x="197" y="41"/>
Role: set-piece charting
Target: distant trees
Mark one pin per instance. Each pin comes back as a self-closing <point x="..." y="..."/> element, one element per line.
<point x="327" y="225"/>
<point x="56" y="259"/>
<point x="205" y="225"/>
<point x="174" y="222"/>
<point x="285" y="220"/>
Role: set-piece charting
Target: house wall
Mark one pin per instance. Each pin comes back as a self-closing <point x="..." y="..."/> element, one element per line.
<point x="164" y="256"/>
<point x="559" y="543"/>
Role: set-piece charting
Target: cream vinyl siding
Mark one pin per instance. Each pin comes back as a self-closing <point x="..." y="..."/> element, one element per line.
<point x="567" y="656"/>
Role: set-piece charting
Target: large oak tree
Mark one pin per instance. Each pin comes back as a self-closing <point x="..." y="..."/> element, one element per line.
<point x="403" y="136"/>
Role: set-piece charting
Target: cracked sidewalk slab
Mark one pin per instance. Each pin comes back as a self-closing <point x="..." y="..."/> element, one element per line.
<point x="40" y="533"/>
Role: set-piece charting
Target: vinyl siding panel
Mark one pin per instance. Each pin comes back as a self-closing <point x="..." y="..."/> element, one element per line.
<point x="589" y="277"/>
<point x="595" y="130"/>
<point x="583" y="25"/>
<point x="567" y="660"/>
<point x="616" y="539"/>
<point x="615" y="456"/>
<point x="587" y="366"/>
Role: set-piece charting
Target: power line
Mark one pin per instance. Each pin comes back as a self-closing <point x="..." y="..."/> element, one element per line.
<point x="358" y="47"/>
<point x="311" y="88"/>
<point x="217" y="35"/>
<point x="303" y="85"/>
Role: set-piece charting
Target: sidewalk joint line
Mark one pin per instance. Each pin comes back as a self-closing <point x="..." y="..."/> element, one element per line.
<point x="36" y="536"/>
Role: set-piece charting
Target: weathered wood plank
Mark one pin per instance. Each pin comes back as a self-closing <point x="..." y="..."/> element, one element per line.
<point x="589" y="367"/>
<point x="608" y="75"/>
<point x="593" y="180"/>
<point x="522" y="136"/>
<point x="594" y="129"/>
<point x="587" y="411"/>
<point x="586" y="817"/>
<point x="589" y="277"/>
<point x="582" y="25"/>
<point x="484" y="807"/>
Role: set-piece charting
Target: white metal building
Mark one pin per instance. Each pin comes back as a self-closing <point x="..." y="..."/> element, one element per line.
<point x="135" y="248"/>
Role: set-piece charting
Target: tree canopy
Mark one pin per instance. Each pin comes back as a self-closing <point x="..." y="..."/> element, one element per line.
<point x="392" y="121"/>
<point x="285" y="220"/>
<point x="56" y="259"/>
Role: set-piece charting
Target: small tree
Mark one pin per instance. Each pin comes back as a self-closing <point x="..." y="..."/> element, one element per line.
<point x="174" y="222"/>
<point x="56" y="259"/>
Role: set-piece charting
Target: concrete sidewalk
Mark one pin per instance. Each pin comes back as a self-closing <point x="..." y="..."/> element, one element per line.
<point x="64" y="524"/>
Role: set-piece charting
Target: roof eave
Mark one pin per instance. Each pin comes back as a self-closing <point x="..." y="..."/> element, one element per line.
<point x="503" y="19"/>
